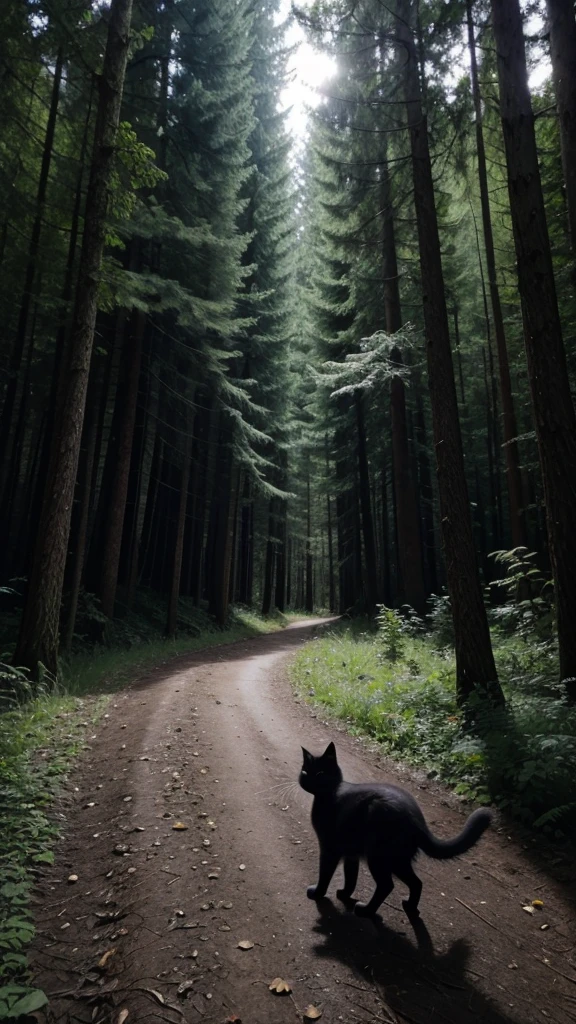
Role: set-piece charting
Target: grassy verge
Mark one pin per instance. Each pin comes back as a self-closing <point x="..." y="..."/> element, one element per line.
<point x="104" y="669"/>
<point x="400" y="690"/>
<point x="39" y="740"/>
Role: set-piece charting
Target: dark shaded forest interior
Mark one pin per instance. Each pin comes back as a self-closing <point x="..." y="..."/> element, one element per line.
<point x="238" y="370"/>
<point x="260" y="362"/>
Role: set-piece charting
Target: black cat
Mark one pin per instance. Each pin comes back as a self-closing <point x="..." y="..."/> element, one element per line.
<point x="382" y="823"/>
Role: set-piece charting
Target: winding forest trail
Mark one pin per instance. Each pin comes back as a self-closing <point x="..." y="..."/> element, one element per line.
<point x="213" y="741"/>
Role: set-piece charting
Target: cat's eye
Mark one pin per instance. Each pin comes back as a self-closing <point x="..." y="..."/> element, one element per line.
<point x="303" y="772"/>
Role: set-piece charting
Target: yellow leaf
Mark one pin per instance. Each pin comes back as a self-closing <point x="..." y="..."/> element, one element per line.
<point x="104" y="959"/>
<point x="245" y="944"/>
<point x="179" y="826"/>
<point x="537" y="903"/>
<point x="279" y="986"/>
<point x="312" y="1013"/>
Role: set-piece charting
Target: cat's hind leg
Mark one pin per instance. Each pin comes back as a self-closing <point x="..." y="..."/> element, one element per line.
<point x="383" y="877"/>
<point x="328" y="864"/>
<point x="407" y="875"/>
<point x="351" y="865"/>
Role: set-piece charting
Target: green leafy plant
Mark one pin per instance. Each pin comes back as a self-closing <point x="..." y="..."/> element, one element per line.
<point x="391" y="633"/>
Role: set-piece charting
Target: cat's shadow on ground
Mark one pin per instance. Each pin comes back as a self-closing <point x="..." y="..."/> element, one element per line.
<point x="396" y="960"/>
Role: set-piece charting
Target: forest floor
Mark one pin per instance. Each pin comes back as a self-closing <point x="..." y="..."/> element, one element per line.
<point x="150" y="929"/>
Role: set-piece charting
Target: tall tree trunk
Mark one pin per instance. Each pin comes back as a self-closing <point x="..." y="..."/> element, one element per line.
<point x="84" y="488"/>
<point x="62" y="335"/>
<point x="116" y="502"/>
<point x="547" y="372"/>
<point x="509" y="423"/>
<point x="562" y="29"/>
<point x="150" y="428"/>
<point x="426" y="498"/>
<point x="224" y="507"/>
<point x="172" y="618"/>
<point x="269" y="562"/>
<point x="331" y="577"/>
<point x="280" y="587"/>
<point x="38" y="639"/>
<point x="246" y="547"/>
<point x="309" y="598"/>
<point x="30" y="276"/>
<point x="475" y="667"/>
<point x="409" y="541"/>
<point x="370" y="561"/>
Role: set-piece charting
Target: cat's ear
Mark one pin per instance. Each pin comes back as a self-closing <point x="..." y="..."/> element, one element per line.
<point x="307" y="754"/>
<point x="330" y="751"/>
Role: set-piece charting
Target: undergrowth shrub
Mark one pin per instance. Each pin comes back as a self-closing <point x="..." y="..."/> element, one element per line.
<point x="522" y="758"/>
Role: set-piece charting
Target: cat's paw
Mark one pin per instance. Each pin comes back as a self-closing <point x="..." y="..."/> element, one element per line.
<point x="314" y="893"/>
<point x="363" y="910"/>
<point x="344" y="895"/>
<point x="410" y="910"/>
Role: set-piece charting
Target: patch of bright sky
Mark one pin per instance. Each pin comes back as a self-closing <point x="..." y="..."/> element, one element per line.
<point x="310" y="68"/>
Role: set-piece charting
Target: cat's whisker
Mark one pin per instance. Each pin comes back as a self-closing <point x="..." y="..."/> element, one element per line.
<point x="269" y="789"/>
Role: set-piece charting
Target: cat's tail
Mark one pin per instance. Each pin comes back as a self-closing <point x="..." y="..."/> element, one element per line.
<point x="443" y="849"/>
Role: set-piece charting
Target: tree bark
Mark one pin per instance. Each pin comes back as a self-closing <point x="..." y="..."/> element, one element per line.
<point x="309" y="597"/>
<point x="475" y="667"/>
<point x="562" y="29"/>
<point x="509" y="423"/>
<point x="172" y="618"/>
<point x="370" y="561"/>
<point x="280" y="583"/>
<point x="127" y="395"/>
<point x="547" y="371"/>
<point x="269" y="562"/>
<point x="28" y="293"/>
<point x="38" y="639"/>
<point x="331" y="578"/>
<point x="85" y="483"/>
<point x="409" y="541"/>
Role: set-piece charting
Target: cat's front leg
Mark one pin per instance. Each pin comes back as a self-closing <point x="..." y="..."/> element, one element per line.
<point x="328" y="865"/>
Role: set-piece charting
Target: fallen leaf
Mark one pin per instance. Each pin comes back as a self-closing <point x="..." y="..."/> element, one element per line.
<point x="104" y="959"/>
<point x="179" y="826"/>
<point x="312" y="1013"/>
<point x="233" y="1019"/>
<point x="245" y="944"/>
<point x="528" y="909"/>
<point x="122" y="1016"/>
<point x="544" y="927"/>
<point x="214" y="874"/>
<point x="157" y="995"/>
<point x="279" y="987"/>
<point x="537" y="903"/>
<point x="121" y="849"/>
<point x="184" y="987"/>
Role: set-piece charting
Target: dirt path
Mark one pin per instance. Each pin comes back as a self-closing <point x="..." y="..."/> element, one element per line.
<point x="213" y="741"/>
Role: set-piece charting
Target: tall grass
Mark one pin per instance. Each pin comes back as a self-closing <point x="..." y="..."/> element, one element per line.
<point x="42" y="734"/>
<point x="401" y="691"/>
